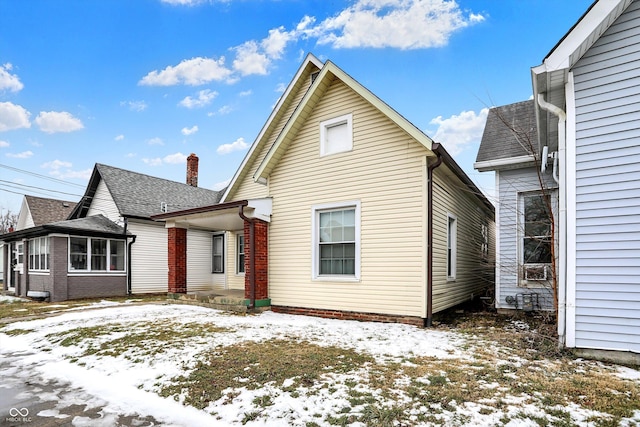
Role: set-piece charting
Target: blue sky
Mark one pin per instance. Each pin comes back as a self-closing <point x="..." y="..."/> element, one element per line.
<point x="142" y="84"/>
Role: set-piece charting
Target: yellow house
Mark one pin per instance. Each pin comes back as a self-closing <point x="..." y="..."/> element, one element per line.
<point x="343" y="208"/>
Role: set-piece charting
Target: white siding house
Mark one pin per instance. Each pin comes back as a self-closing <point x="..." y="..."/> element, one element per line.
<point x="587" y="110"/>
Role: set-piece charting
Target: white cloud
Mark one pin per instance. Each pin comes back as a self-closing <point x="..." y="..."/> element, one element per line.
<point x="119" y="138"/>
<point x="58" y="121"/>
<point x="155" y="141"/>
<point x="220" y="185"/>
<point x="245" y="92"/>
<point x="189" y="131"/>
<point x="204" y="98"/>
<point x="157" y="161"/>
<point x="4" y="144"/>
<point x="225" y="109"/>
<point x="23" y="155"/>
<point x="130" y="155"/>
<point x="458" y="131"/>
<point x="255" y="57"/>
<point x="281" y="87"/>
<point x="193" y="72"/>
<point x="13" y="116"/>
<point x="68" y="174"/>
<point x="402" y="24"/>
<point x="236" y="145"/>
<point x="175" y="158"/>
<point x="182" y="2"/>
<point x="9" y="81"/>
<point x="137" y="106"/>
<point x="56" y="165"/>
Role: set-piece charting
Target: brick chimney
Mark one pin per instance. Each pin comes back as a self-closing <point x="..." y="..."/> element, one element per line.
<point x="192" y="170"/>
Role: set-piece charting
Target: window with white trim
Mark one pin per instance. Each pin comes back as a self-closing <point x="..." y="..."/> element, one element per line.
<point x="240" y="253"/>
<point x="217" y="253"/>
<point x="98" y="255"/>
<point x="452" y="246"/>
<point x="336" y="244"/>
<point x="535" y="236"/>
<point x="39" y="254"/>
<point x="336" y="135"/>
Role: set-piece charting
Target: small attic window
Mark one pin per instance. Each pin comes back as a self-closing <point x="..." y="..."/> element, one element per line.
<point x="336" y="135"/>
<point x="314" y="76"/>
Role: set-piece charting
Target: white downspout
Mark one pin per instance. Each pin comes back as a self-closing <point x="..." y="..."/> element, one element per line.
<point x="560" y="180"/>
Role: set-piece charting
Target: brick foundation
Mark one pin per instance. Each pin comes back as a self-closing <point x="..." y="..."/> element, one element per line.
<point x="261" y="229"/>
<point x="349" y="315"/>
<point x="177" y="256"/>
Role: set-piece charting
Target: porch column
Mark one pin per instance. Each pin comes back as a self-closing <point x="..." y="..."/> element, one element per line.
<point x="261" y="262"/>
<point x="177" y="258"/>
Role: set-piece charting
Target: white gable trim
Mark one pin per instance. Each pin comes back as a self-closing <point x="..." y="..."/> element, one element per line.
<point x="309" y="59"/>
<point x="583" y="35"/>
<point x="330" y="69"/>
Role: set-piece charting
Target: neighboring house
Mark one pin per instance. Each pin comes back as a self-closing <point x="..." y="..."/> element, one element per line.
<point x="587" y="107"/>
<point x="108" y="245"/>
<point x="34" y="212"/>
<point x="343" y="208"/>
<point x="130" y="199"/>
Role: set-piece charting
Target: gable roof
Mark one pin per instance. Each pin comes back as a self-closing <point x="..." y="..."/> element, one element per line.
<point x="328" y="73"/>
<point x="309" y="65"/>
<point x="44" y="210"/>
<point x="138" y="195"/>
<point x="510" y="137"/>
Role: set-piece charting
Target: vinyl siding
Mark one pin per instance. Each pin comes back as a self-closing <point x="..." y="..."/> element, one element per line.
<point x="199" y="254"/>
<point x="607" y="92"/>
<point x="248" y="188"/>
<point x="473" y="274"/>
<point x="385" y="172"/>
<point x="102" y="203"/>
<point x="234" y="280"/>
<point x="512" y="182"/>
<point x="149" y="269"/>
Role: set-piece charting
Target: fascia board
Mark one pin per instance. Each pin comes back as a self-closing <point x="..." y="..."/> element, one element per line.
<point x="331" y="69"/>
<point x="309" y="59"/>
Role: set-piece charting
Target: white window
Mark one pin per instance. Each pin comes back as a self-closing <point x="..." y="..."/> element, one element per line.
<point x="240" y="253"/>
<point x="217" y="251"/>
<point x="535" y="236"/>
<point x="336" y="135"/>
<point x="452" y="246"/>
<point x="336" y="241"/>
<point x="39" y="253"/>
<point x="93" y="254"/>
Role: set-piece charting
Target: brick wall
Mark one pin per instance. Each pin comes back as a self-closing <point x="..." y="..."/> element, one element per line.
<point x="349" y="315"/>
<point x="177" y="257"/>
<point x="261" y="229"/>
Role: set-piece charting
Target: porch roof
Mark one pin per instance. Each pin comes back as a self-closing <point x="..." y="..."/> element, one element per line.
<point x="221" y="216"/>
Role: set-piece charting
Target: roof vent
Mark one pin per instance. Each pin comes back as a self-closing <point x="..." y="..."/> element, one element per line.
<point x="164" y="207"/>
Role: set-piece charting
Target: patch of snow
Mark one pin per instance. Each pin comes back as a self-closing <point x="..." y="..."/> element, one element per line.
<point x="10" y="299"/>
<point x="628" y="373"/>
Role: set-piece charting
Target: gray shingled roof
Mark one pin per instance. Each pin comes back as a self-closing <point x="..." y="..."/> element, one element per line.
<point x="141" y="196"/>
<point x="44" y="211"/>
<point x="510" y="131"/>
<point x="96" y="224"/>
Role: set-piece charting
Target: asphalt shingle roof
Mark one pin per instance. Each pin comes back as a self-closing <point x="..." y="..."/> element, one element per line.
<point x="44" y="211"/>
<point x="94" y="223"/>
<point x="510" y="131"/>
<point x="139" y="195"/>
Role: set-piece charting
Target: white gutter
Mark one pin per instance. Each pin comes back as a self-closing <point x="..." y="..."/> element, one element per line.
<point x="489" y="165"/>
<point x="560" y="180"/>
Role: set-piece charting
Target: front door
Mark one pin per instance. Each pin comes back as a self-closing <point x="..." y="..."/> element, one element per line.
<point x="17" y="265"/>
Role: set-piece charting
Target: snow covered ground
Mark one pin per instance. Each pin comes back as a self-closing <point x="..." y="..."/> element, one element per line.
<point x="123" y="389"/>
